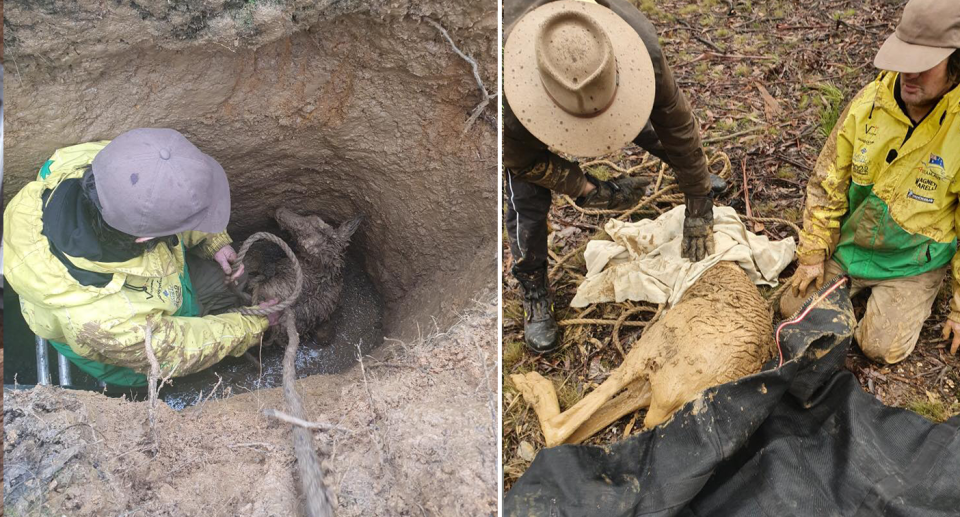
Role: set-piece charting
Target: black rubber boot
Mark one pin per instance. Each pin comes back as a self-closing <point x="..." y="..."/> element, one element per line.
<point x="718" y="185"/>
<point x="539" y="325"/>
<point x="616" y="194"/>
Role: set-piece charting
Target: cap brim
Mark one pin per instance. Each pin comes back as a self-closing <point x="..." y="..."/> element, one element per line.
<point x="897" y="55"/>
<point x="612" y="129"/>
<point x="218" y="214"/>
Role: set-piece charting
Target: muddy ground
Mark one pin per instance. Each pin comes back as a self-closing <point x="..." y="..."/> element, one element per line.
<point x="417" y="438"/>
<point x="767" y="81"/>
<point x="335" y="108"/>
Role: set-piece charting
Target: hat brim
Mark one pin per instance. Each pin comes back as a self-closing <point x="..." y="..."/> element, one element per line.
<point x="218" y="214"/>
<point x="897" y="55"/>
<point x="609" y="131"/>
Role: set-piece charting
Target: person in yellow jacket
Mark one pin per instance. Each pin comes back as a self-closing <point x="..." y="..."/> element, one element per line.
<point x="115" y="236"/>
<point x="883" y="203"/>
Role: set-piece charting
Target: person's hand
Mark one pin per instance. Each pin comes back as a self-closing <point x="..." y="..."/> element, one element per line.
<point x="225" y="257"/>
<point x="806" y="275"/>
<point x="272" y="319"/>
<point x="952" y="326"/>
<point x="697" y="242"/>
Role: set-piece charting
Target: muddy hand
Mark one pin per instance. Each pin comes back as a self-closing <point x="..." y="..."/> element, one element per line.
<point x="952" y="326"/>
<point x="697" y="243"/>
<point x="805" y="275"/>
<point x="227" y="257"/>
<point x="272" y="319"/>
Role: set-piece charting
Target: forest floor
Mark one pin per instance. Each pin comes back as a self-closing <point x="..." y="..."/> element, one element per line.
<point x="767" y="81"/>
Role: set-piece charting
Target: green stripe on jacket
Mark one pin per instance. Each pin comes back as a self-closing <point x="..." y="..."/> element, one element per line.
<point x="873" y="246"/>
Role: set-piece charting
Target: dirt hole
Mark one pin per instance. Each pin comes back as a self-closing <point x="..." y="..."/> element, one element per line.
<point x="348" y="115"/>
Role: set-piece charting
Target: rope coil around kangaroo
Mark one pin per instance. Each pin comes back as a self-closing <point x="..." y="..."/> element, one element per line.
<point x="319" y="502"/>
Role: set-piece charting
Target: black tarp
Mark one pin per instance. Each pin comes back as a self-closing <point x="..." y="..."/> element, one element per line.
<point x="803" y="439"/>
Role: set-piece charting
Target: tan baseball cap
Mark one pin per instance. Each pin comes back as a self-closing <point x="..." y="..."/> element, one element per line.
<point x="928" y="33"/>
<point x="578" y="77"/>
<point x="154" y="182"/>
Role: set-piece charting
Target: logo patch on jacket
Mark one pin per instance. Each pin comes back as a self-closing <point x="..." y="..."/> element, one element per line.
<point x="154" y="287"/>
<point x="937" y="161"/>
<point x="911" y="195"/>
<point x="860" y="157"/>
<point x="927" y="184"/>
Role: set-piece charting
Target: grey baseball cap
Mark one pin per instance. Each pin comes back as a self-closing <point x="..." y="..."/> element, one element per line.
<point x="154" y="182"/>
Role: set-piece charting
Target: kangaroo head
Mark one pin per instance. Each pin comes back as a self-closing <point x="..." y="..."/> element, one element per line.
<point x="317" y="240"/>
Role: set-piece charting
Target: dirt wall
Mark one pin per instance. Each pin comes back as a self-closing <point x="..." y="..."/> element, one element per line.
<point x="331" y="107"/>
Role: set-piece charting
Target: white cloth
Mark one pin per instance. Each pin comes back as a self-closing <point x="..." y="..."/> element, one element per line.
<point x="643" y="262"/>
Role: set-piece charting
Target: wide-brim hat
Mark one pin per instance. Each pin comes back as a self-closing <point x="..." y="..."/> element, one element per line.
<point x="578" y="77"/>
<point x="928" y="32"/>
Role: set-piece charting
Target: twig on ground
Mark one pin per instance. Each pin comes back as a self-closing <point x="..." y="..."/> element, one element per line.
<point x="715" y="139"/>
<point x="321" y="426"/>
<point x="486" y="97"/>
<point x="778" y="220"/>
<point x="203" y="402"/>
<point x="746" y="189"/>
<point x="729" y="57"/>
<point x="152" y="387"/>
<point x="793" y="162"/>
<point x="253" y="445"/>
<point x="17" y="66"/>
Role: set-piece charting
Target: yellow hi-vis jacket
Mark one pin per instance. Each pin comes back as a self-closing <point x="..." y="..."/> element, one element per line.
<point x="107" y="324"/>
<point x="883" y="198"/>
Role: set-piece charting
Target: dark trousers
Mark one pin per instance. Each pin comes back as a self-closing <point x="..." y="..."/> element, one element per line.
<point x="528" y="205"/>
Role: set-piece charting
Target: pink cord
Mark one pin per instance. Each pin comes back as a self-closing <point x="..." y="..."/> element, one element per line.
<point x="804" y="314"/>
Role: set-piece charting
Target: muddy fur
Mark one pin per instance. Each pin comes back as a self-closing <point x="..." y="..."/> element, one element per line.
<point x="718" y="332"/>
<point x="321" y="250"/>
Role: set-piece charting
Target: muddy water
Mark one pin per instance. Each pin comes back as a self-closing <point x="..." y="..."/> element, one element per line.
<point x="357" y="322"/>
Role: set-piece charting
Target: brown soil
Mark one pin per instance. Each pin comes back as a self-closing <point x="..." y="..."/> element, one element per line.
<point x="337" y="110"/>
<point x="421" y="443"/>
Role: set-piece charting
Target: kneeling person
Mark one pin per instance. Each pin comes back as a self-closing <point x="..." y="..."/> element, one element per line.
<point x="883" y="203"/>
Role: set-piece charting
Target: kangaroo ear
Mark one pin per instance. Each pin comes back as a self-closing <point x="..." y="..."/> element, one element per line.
<point x="347" y="229"/>
<point x="286" y="218"/>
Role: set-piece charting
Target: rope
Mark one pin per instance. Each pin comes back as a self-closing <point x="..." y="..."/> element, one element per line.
<point x="622" y="320"/>
<point x="666" y="194"/>
<point x="643" y="163"/>
<point x="718" y="156"/>
<point x="623" y="213"/>
<point x="590" y="321"/>
<point x="721" y="156"/>
<point x="626" y="213"/>
<point x="319" y="500"/>
<point x="298" y="285"/>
